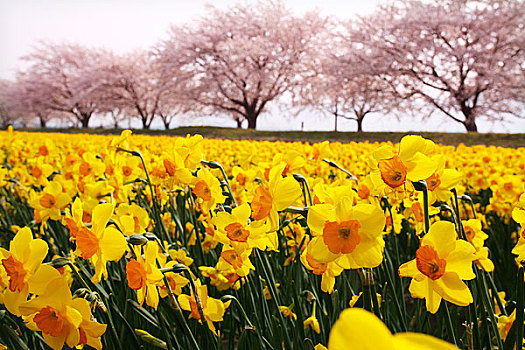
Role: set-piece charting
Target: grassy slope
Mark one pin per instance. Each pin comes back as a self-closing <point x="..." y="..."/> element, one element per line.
<point x="508" y="140"/>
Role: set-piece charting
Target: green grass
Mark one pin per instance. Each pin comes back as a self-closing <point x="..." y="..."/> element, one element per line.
<point x="507" y="140"/>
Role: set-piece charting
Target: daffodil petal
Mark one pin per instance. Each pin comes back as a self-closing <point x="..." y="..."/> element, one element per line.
<point x="318" y="215"/>
<point x="453" y="289"/>
<point x="287" y="192"/>
<point x="371" y="218"/>
<point x="442" y="236"/>
<point x="100" y="217"/>
<point x="113" y="244"/>
<point x="349" y="329"/>
<point x="319" y="250"/>
<point x="419" y="341"/>
<point x="460" y="260"/>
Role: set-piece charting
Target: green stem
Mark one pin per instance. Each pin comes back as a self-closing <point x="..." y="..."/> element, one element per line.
<point x="337" y="166"/>
<point x="239" y="305"/>
<point x="482" y="287"/>
<point x="425" y="204"/>
<point x="496" y="295"/>
<point x="271" y="287"/>
<point x="175" y="305"/>
<point x="450" y="327"/>
<point x="519" y="308"/>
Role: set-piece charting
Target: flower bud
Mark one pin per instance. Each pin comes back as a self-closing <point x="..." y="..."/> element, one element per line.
<point x="212" y="164"/>
<point x="59" y="262"/>
<point x="420" y="185"/>
<point x="299" y="178"/>
<point x="148" y="338"/>
<point x="137" y="239"/>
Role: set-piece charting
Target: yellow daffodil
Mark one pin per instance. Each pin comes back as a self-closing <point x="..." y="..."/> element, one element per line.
<point x="287" y="312"/>
<point x="280" y="193"/>
<point x="477" y="237"/>
<point x="239" y="263"/>
<point x="518" y="214"/>
<point x="62" y="319"/>
<point x="73" y="219"/>
<point x="132" y="219"/>
<point x="329" y="271"/>
<point x="442" y="181"/>
<point x="40" y="170"/>
<point x="355" y="298"/>
<point x="312" y="321"/>
<point x="412" y="162"/>
<point x="441" y="263"/>
<point x="208" y="190"/>
<point x="22" y="265"/>
<point x="177" y="173"/>
<point x="353" y="235"/>
<point x="100" y="243"/>
<point x="234" y="229"/>
<point x="190" y="149"/>
<point x="222" y="280"/>
<point x="49" y="203"/>
<point x="213" y="309"/>
<point x="143" y="275"/>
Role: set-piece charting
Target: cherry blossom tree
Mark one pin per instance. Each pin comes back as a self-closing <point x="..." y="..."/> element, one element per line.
<point x="173" y="104"/>
<point x="136" y="84"/>
<point x="351" y="81"/>
<point x="462" y="58"/>
<point x="245" y="57"/>
<point x="28" y="100"/>
<point x="66" y="79"/>
<point x="7" y="109"/>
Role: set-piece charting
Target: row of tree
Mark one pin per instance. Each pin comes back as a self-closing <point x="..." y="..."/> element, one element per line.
<point x="464" y="59"/>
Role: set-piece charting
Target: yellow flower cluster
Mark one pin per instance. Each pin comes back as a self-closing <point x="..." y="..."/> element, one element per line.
<point x="132" y="205"/>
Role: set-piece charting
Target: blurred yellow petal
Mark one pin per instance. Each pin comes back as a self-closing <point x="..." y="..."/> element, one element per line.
<point x="383" y="152"/>
<point x="418" y="341"/>
<point x="38" y="250"/>
<point x="359" y="329"/>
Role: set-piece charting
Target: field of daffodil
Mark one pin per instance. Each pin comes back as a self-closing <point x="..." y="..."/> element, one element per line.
<point x="128" y="242"/>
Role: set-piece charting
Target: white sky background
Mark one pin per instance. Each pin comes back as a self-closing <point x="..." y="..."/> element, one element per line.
<point x="124" y="25"/>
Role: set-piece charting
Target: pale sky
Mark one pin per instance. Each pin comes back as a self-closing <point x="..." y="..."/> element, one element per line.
<point x="124" y="25"/>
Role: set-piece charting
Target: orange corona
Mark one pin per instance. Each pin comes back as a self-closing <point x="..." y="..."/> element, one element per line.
<point x="393" y="171"/>
<point x="429" y="263"/>
<point x="341" y="237"/>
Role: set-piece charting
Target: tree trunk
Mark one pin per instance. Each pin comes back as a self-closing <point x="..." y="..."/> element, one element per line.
<point x="335" y="122"/>
<point x="470" y="117"/>
<point x="252" y="121"/>
<point x="360" y="123"/>
<point x="166" y="124"/>
<point x="42" y="122"/>
<point x="145" y="124"/>
<point x="470" y="125"/>
<point x="85" y="121"/>
<point x="239" y="123"/>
